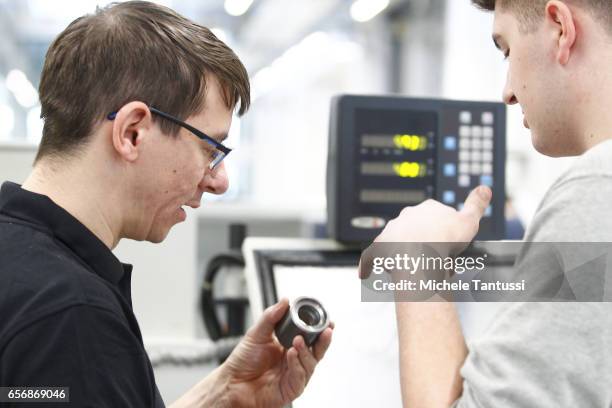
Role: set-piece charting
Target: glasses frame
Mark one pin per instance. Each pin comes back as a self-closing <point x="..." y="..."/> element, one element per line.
<point x="220" y="150"/>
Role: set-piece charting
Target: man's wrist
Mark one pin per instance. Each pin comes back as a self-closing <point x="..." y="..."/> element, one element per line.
<point x="223" y="390"/>
<point x="213" y="391"/>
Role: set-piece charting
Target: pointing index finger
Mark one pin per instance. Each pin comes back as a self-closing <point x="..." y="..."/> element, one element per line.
<point x="477" y="202"/>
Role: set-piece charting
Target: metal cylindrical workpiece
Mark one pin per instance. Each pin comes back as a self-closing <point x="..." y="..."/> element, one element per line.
<point x="306" y="317"/>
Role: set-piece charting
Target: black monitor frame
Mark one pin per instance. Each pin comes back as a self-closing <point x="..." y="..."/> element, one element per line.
<point x="267" y="259"/>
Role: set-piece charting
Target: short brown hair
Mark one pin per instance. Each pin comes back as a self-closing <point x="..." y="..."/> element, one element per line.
<point x="530" y="12"/>
<point x="125" y="52"/>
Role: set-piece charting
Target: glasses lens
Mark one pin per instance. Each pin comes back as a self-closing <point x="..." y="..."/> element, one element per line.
<point x="218" y="156"/>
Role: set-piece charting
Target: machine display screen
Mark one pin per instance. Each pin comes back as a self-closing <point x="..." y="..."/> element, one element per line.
<point x="396" y="155"/>
<point x="390" y="152"/>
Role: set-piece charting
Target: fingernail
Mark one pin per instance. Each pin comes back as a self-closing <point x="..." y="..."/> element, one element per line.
<point x="484" y="193"/>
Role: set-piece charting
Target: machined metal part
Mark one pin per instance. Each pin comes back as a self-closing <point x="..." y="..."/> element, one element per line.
<point x="306" y="317"/>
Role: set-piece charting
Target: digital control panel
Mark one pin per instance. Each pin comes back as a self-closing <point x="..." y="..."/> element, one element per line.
<point x="386" y="153"/>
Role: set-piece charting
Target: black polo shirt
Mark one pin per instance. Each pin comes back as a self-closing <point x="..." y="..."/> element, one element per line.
<point x="66" y="314"/>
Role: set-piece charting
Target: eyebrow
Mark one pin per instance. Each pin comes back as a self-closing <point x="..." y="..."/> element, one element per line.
<point x="220" y="137"/>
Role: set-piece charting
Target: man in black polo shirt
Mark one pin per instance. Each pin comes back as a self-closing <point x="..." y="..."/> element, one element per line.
<point x="136" y="101"/>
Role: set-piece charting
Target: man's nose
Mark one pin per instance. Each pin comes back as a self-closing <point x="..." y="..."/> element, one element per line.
<point x="215" y="181"/>
<point x="508" y="95"/>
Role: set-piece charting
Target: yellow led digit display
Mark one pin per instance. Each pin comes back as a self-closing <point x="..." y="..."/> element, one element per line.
<point x="410" y="142"/>
<point x="410" y="169"/>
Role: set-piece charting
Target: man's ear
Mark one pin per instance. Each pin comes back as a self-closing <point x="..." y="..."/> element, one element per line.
<point x="130" y="125"/>
<point x="562" y="19"/>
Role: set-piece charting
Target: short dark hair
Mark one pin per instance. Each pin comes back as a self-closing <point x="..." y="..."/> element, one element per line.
<point x="125" y="52"/>
<point x="530" y="12"/>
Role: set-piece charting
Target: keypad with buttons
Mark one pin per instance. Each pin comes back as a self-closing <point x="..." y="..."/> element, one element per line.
<point x="450" y="169"/>
<point x="465" y="117"/>
<point x="474" y="145"/>
<point x="448" y="197"/>
<point x="450" y="143"/>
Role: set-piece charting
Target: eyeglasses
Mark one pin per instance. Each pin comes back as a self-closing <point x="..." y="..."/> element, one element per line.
<point x="219" y="151"/>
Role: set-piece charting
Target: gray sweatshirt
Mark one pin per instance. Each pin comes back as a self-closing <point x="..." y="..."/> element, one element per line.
<point x="552" y="354"/>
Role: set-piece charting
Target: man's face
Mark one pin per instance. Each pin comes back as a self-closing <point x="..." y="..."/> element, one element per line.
<point x="537" y="82"/>
<point x="175" y="169"/>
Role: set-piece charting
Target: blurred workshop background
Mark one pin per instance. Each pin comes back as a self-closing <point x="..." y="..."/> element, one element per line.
<point x="299" y="54"/>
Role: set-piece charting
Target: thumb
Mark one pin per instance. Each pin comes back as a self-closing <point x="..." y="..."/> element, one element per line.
<point x="477" y="202"/>
<point x="263" y="329"/>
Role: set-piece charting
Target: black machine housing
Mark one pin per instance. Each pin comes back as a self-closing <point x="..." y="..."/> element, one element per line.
<point x="389" y="152"/>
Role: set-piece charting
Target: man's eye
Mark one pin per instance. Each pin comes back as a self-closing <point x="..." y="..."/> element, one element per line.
<point x="209" y="151"/>
<point x="506" y="54"/>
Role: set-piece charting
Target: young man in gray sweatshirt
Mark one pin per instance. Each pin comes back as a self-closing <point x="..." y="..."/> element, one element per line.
<point x="534" y="354"/>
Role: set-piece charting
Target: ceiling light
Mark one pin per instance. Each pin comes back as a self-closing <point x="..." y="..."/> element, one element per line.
<point x="364" y="10"/>
<point x="237" y="7"/>
<point x="22" y="88"/>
